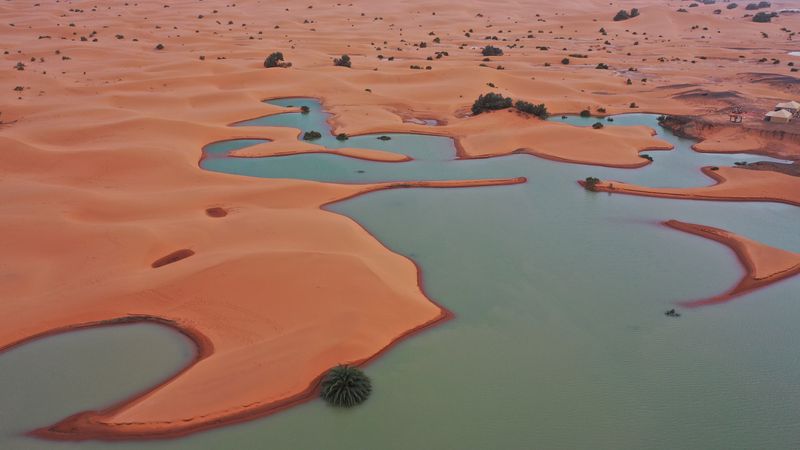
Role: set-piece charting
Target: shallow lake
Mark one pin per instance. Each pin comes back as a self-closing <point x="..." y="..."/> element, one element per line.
<point x="559" y="339"/>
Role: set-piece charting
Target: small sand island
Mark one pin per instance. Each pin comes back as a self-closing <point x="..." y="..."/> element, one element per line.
<point x="305" y="193"/>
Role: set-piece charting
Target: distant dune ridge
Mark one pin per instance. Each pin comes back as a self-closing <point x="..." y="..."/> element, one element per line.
<point x="107" y="217"/>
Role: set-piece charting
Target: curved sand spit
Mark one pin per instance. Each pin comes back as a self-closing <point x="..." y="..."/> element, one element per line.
<point x="763" y="264"/>
<point x="732" y="184"/>
<point x="99" y="175"/>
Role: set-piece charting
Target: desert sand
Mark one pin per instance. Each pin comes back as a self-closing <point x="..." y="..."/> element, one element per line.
<point x="108" y="105"/>
<point x="763" y="264"/>
<point x="731" y="184"/>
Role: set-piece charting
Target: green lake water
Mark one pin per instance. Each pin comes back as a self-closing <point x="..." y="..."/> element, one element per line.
<point x="559" y="339"/>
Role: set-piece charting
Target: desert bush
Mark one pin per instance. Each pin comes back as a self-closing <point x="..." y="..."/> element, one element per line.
<point x="273" y="60"/>
<point x="565" y="61"/>
<point x="491" y="50"/>
<point x="625" y="15"/>
<point x="539" y="110"/>
<point x="342" y="137"/>
<point x="311" y="135"/>
<point x="305" y="109"/>
<point x="597" y="125"/>
<point x="490" y="102"/>
<point x="590" y="183"/>
<point x="344" y="61"/>
<point x="763" y="17"/>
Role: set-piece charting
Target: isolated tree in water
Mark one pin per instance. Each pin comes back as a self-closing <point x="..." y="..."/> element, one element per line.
<point x="345" y="386"/>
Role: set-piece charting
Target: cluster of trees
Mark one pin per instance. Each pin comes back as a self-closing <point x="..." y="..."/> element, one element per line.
<point x="763" y="17"/>
<point x="491" y="50"/>
<point x="344" y="61"/>
<point x="625" y="15"/>
<point x="493" y="101"/>
<point x="590" y="183"/>
<point x="311" y="135"/>
<point x="275" y="60"/>
<point x="539" y="110"/>
<point x="759" y="5"/>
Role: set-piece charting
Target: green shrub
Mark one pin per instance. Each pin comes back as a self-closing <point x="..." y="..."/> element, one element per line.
<point x="539" y="110"/>
<point x="342" y="137"/>
<point x="590" y="183"/>
<point x="273" y="60"/>
<point x="344" y="61"/>
<point x="311" y="135"/>
<point x="586" y="113"/>
<point x="491" y="50"/>
<point x="565" y="61"/>
<point x="490" y="102"/>
<point x="625" y="15"/>
<point x="305" y="109"/>
<point x="345" y="386"/>
<point x="597" y="125"/>
<point x="763" y="17"/>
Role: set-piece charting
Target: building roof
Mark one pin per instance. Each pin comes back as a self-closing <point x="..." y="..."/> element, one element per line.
<point x="781" y="113"/>
<point x="788" y="105"/>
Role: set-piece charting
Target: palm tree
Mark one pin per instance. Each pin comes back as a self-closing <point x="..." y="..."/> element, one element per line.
<point x="345" y="386"/>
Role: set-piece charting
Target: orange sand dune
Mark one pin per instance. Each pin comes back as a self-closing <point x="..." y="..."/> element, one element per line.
<point x="733" y="184"/>
<point x="101" y="131"/>
<point x="764" y="265"/>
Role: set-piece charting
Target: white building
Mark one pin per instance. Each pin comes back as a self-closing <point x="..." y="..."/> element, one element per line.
<point x="780" y="116"/>
<point x="791" y="106"/>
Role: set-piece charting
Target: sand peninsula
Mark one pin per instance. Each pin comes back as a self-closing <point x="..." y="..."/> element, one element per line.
<point x="763" y="264"/>
<point x="107" y="218"/>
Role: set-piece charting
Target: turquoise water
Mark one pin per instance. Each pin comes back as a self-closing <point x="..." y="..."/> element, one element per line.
<point x="559" y="339"/>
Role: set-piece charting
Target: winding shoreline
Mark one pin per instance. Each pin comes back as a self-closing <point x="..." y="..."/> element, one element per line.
<point x="88" y="425"/>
